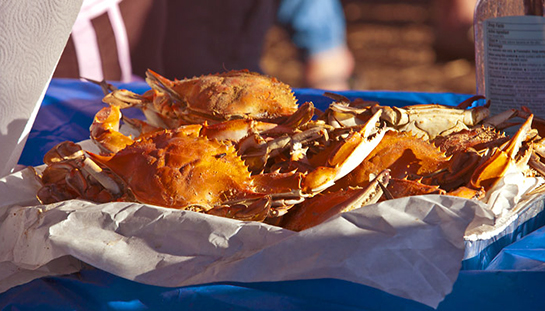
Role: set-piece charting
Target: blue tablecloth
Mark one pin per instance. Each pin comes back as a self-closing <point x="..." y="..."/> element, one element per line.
<point x="67" y="113"/>
<point x="69" y="106"/>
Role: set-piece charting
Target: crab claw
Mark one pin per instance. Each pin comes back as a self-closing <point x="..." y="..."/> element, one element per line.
<point x="501" y="160"/>
<point x="162" y="84"/>
<point x="105" y="130"/>
<point x="322" y="207"/>
<point x="346" y="157"/>
<point x="123" y="99"/>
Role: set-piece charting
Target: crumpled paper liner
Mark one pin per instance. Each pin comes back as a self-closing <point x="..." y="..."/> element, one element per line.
<point x="410" y="247"/>
<point x="505" y="202"/>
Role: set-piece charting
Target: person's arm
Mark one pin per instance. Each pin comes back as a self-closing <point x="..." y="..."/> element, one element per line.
<point x="318" y="29"/>
<point x="330" y="69"/>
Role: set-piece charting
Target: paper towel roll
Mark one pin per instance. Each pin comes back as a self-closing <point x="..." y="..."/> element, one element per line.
<point x="32" y="37"/>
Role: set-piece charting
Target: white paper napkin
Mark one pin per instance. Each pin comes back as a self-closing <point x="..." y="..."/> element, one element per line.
<point x="32" y="37"/>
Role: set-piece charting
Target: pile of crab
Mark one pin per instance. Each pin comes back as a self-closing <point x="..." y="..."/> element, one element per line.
<point x="238" y="145"/>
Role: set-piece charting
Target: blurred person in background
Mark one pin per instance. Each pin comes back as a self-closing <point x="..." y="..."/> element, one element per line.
<point x="318" y="29"/>
<point x="454" y="29"/>
<point x="119" y="40"/>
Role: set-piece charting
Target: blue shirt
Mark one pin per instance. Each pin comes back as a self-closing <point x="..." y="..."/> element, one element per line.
<point x="314" y="25"/>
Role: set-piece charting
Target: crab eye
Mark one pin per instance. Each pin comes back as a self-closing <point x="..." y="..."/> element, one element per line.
<point x="220" y="155"/>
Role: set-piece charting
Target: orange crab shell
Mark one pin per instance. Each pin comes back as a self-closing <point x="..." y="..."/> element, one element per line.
<point x="404" y="154"/>
<point x="232" y="94"/>
<point x="177" y="170"/>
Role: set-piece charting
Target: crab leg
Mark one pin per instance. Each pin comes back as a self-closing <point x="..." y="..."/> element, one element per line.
<point x="106" y="87"/>
<point x="500" y="121"/>
<point x="255" y="150"/>
<point x="107" y="121"/>
<point x="69" y="152"/>
<point x="107" y="182"/>
<point x="66" y="163"/>
<point x="105" y="130"/>
<point x="249" y="210"/>
<point x="468" y="102"/>
<point x="340" y="161"/>
<point x="125" y="99"/>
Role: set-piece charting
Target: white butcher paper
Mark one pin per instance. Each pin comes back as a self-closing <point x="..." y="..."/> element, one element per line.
<point x="410" y="247"/>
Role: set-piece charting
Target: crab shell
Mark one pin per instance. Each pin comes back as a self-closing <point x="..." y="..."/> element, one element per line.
<point x="225" y="96"/>
<point x="430" y="121"/>
<point x="171" y="168"/>
<point x="403" y="154"/>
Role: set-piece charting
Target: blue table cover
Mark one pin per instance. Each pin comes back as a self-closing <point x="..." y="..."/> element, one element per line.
<point x="515" y="280"/>
<point x="69" y="106"/>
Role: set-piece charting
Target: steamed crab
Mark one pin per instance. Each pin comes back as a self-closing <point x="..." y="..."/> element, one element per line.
<point x="212" y="98"/>
<point x="426" y="121"/>
<point x="180" y="168"/>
